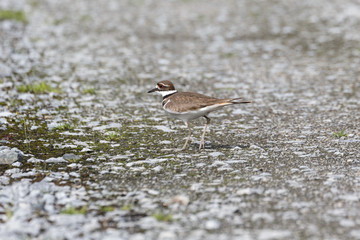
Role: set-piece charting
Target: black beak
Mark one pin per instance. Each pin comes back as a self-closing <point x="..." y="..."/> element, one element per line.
<point x="152" y="90"/>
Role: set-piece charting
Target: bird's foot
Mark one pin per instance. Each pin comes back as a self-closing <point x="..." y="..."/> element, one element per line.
<point x="202" y="144"/>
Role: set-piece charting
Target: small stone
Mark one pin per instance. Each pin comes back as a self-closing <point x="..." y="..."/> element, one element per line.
<point x="16" y="164"/>
<point x="274" y="234"/>
<point x="244" y="191"/>
<point x="4" y="148"/>
<point x="347" y="223"/>
<point x="8" y="156"/>
<point x="195" y="186"/>
<point x="157" y="169"/>
<point x="34" y="127"/>
<point x="70" y="156"/>
<point x="215" y="154"/>
<point x="180" y="199"/>
<point x="249" y="191"/>
<point x="34" y="160"/>
<point x="4" y="180"/>
<point x="86" y="150"/>
<point x="355" y="234"/>
<point x="153" y="192"/>
<point x="3" y="121"/>
<point x="5" y="70"/>
<point x="212" y="224"/>
<point x="137" y="236"/>
<point x="167" y="235"/>
<point x="56" y="160"/>
<point x="6" y="114"/>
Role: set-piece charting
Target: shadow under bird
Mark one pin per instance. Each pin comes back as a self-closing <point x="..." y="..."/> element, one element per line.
<point x="187" y="106"/>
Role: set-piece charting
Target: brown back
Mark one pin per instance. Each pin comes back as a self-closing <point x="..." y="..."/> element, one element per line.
<point x="187" y="101"/>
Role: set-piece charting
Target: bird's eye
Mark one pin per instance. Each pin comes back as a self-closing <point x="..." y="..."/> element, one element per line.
<point x="161" y="86"/>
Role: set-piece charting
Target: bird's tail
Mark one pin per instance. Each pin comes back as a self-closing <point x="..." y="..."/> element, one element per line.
<point x="238" y="101"/>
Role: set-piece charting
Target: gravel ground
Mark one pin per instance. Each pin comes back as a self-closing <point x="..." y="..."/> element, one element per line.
<point x="87" y="154"/>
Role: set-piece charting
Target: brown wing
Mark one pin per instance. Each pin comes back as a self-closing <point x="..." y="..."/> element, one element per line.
<point x="187" y="101"/>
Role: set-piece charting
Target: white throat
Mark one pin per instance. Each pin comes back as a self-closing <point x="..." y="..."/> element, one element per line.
<point x="166" y="93"/>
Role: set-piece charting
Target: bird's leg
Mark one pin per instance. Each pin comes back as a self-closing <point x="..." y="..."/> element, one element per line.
<point x="202" y="141"/>
<point x="188" y="138"/>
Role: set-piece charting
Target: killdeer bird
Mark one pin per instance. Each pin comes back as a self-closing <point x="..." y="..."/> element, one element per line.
<point x="187" y="106"/>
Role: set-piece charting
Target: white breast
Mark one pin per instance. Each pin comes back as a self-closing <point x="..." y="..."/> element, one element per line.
<point x="190" y="115"/>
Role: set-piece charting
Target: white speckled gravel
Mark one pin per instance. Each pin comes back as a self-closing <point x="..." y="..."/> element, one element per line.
<point x="97" y="159"/>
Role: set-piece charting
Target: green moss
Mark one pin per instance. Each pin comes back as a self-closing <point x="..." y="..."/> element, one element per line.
<point x="112" y="136"/>
<point x="60" y="21"/>
<point x="38" y="88"/>
<point x="227" y="55"/>
<point x="107" y="209"/>
<point x="20" y="135"/>
<point x="14" y="102"/>
<point x="89" y="91"/>
<point x="163" y="217"/>
<point x="64" y="127"/>
<point x="18" y="16"/>
<point x="42" y="143"/>
<point x="9" y="213"/>
<point x="85" y="18"/>
<point x="72" y="210"/>
<point x="224" y="89"/>
<point x="34" y="3"/>
<point x="76" y="160"/>
<point x="127" y="207"/>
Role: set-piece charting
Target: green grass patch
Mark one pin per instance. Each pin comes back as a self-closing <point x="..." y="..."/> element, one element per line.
<point x="89" y="91"/>
<point x="72" y="210"/>
<point x="37" y="88"/>
<point x="112" y="136"/>
<point x="162" y="217"/>
<point x="14" y="102"/>
<point x="8" y="213"/>
<point x="107" y="209"/>
<point x="18" y="16"/>
<point x="64" y="127"/>
<point x="340" y="134"/>
<point x="227" y="55"/>
<point x="126" y="207"/>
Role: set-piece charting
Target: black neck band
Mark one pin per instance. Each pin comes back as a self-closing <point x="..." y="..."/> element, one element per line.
<point x="168" y="95"/>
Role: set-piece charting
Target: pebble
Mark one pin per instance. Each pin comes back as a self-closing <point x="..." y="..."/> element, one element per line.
<point x="34" y="160"/>
<point x="167" y="235"/>
<point x="274" y="234"/>
<point x="9" y="156"/>
<point x="71" y="156"/>
<point x="6" y="114"/>
<point x="212" y="224"/>
<point x="5" y="70"/>
<point x="56" y="160"/>
<point x="180" y="200"/>
<point x="216" y="154"/>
